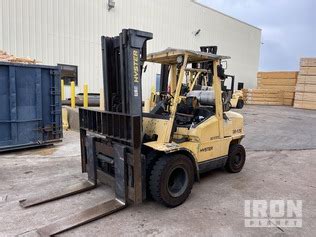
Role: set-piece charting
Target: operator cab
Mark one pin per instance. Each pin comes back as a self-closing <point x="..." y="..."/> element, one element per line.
<point x="197" y="97"/>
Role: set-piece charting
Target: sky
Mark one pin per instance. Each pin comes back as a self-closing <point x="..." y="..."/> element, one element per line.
<point x="288" y="28"/>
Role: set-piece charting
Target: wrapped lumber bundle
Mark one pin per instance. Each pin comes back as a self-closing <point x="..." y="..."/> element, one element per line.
<point x="263" y="96"/>
<point x="305" y="93"/>
<point x="284" y="82"/>
<point x="4" y="57"/>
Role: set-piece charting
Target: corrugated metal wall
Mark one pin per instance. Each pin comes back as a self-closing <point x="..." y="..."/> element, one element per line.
<point x="69" y="31"/>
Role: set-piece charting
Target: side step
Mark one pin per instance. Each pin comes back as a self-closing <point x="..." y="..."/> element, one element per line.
<point x="78" y="219"/>
<point x="68" y="191"/>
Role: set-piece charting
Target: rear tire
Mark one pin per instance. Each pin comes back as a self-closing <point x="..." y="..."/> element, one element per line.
<point x="236" y="158"/>
<point x="171" y="179"/>
<point x="240" y="104"/>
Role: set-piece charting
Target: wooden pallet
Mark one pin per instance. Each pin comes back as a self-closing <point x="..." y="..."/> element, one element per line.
<point x="288" y="102"/>
<point x="263" y="97"/>
<point x="284" y="82"/>
<point x="308" y="71"/>
<point x="277" y="82"/>
<point x="308" y="62"/>
<point x="305" y="92"/>
<point x="278" y="75"/>
<point x="306" y="96"/>
<point x="305" y="104"/>
<point x="306" y="79"/>
<point x="310" y="88"/>
<point x="263" y="103"/>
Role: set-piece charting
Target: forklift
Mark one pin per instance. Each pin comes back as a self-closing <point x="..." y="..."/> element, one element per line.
<point x="236" y="99"/>
<point x="232" y="98"/>
<point x="156" y="155"/>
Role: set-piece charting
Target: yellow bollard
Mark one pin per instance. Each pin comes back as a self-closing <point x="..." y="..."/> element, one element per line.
<point x="102" y="106"/>
<point x="62" y="88"/>
<point x="73" y="94"/>
<point x="85" y="96"/>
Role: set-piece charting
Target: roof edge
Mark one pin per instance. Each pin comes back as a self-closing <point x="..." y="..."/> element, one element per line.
<point x="210" y="8"/>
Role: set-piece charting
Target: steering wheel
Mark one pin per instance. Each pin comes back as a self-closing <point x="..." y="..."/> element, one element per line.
<point x="166" y="97"/>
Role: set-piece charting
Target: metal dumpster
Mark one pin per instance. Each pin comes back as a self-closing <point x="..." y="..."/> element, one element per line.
<point x="30" y="106"/>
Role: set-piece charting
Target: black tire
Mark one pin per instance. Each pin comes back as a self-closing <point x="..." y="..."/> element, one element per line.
<point x="240" y="104"/>
<point x="227" y="106"/>
<point x="236" y="158"/>
<point x="151" y="159"/>
<point x="171" y="179"/>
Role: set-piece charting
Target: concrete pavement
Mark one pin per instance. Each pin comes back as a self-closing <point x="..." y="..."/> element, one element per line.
<point x="280" y="165"/>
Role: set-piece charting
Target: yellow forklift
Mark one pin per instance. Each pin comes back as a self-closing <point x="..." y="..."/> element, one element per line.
<point x="232" y="98"/>
<point x="154" y="155"/>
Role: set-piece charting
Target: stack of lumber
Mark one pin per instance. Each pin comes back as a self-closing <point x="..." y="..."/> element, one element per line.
<point x="4" y="57"/>
<point x="305" y="93"/>
<point x="263" y="96"/>
<point x="284" y="82"/>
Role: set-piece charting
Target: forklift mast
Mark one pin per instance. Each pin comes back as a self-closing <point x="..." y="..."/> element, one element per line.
<point x="208" y="65"/>
<point x="164" y="76"/>
<point x="209" y="49"/>
<point x="123" y="57"/>
<point x="117" y="131"/>
<point x="110" y="139"/>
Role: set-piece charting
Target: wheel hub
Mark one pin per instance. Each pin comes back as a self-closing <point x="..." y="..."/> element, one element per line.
<point x="177" y="182"/>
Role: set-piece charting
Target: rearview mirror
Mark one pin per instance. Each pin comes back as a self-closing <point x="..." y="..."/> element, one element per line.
<point x="224" y="64"/>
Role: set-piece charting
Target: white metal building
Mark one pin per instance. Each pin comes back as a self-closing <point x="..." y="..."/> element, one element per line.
<point x="68" y="32"/>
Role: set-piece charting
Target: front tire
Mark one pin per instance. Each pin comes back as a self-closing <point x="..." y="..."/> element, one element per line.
<point x="227" y="106"/>
<point x="240" y="104"/>
<point x="236" y="158"/>
<point x="171" y="179"/>
<point x="151" y="159"/>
